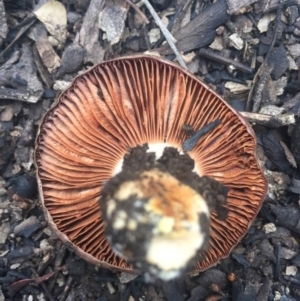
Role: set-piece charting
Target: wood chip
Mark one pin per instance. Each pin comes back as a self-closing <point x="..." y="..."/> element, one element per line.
<point x="217" y="44"/>
<point x="7" y="114"/>
<point x="288" y="154"/>
<point x="271" y="110"/>
<point x="126" y="277"/>
<point x="49" y="57"/>
<point x="292" y="63"/>
<point x="4" y="232"/>
<point x="236" y="42"/>
<point x="294" y="50"/>
<point x="71" y="60"/>
<point x="110" y="287"/>
<point x="22" y="77"/>
<point x="280" y="85"/>
<point x="61" y="85"/>
<point x="278" y="61"/>
<point x="201" y="30"/>
<point x="236" y="5"/>
<point x="269" y="228"/>
<point x="264" y="22"/>
<point x="112" y="20"/>
<point x="89" y="33"/>
<point x="291" y="270"/>
<point x="154" y="35"/>
<point x="270" y="121"/>
<point x="236" y="88"/>
<point x="53" y="15"/>
<point x="3" y="24"/>
<point x="27" y="96"/>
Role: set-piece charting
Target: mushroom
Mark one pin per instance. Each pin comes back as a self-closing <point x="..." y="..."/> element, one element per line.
<point x="118" y="135"/>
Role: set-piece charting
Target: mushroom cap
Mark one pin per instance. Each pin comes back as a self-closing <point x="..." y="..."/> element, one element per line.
<point x="131" y="101"/>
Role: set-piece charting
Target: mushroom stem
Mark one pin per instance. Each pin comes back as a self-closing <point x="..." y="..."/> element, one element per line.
<point x="155" y="219"/>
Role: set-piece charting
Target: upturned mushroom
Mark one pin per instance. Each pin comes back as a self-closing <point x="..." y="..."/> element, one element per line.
<point x="143" y="168"/>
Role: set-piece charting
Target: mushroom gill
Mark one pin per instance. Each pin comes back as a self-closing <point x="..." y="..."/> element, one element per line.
<point x="124" y="103"/>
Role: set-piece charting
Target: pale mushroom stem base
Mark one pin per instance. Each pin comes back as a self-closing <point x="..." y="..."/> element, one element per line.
<point x="156" y="213"/>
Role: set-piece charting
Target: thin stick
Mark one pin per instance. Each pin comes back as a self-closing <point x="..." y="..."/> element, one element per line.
<point x="136" y="8"/>
<point x="170" y="39"/>
<point x="218" y="57"/>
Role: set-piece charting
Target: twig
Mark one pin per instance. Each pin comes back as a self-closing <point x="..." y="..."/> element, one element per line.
<point x="43" y="285"/>
<point x="270" y="121"/>
<point x="261" y="68"/>
<point x="63" y="295"/>
<point x="213" y="55"/>
<point x="58" y="261"/>
<point x="170" y="39"/>
<point x="27" y="23"/>
<point x="136" y="8"/>
<point x="260" y="86"/>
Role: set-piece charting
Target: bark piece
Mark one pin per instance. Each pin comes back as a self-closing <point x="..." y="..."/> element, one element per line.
<point x="279" y="61"/>
<point x="112" y="21"/>
<point x="49" y="57"/>
<point x="275" y="152"/>
<point x="89" y="33"/>
<point x="22" y="77"/>
<point x="72" y="59"/>
<point x="28" y="226"/>
<point x="201" y="31"/>
<point x="235" y="5"/>
<point x="3" y="24"/>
